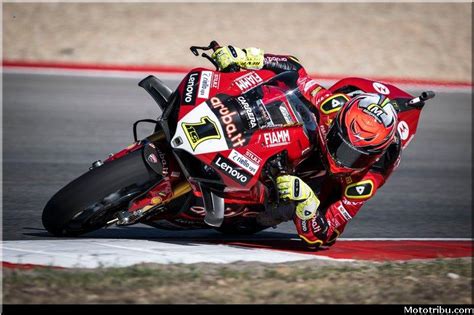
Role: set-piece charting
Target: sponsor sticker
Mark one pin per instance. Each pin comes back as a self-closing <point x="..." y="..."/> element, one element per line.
<point x="275" y="59"/>
<point x="231" y="170"/>
<point x="315" y="91"/>
<point x="247" y="111"/>
<point x="152" y="158"/>
<point x="286" y="114"/>
<point x="333" y="103"/>
<point x="189" y="97"/>
<point x="205" y="84"/>
<point x="253" y="157"/>
<point x="164" y="163"/>
<point x="382" y="89"/>
<point x="227" y="119"/>
<point x="197" y="133"/>
<point x="248" y="81"/>
<point x="344" y="212"/>
<point x="352" y="203"/>
<point x="276" y="138"/>
<point x="244" y="162"/>
<point x="304" y="226"/>
<point x="360" y="190"/>
<point x="216" y="80"/>
<point x="308" y="85"/>
<point x="403" y="130"/>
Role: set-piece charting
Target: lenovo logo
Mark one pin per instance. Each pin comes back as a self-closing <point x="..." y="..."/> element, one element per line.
<point x="231" y="170"/>
<point x="190" y="91"/>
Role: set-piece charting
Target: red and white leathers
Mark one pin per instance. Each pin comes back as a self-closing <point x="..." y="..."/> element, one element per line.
<point x="342" y="194"/>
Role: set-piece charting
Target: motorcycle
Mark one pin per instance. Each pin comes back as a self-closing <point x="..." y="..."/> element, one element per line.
<point x="213" y="158"/>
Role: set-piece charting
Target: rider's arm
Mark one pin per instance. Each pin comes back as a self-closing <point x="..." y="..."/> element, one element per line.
<point x="331" y="222"/>
<point x="255" y="59"/>
<point x="311" y="89"/>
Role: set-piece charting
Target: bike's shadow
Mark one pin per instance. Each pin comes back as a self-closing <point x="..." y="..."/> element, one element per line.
<point x="268" y="239"/>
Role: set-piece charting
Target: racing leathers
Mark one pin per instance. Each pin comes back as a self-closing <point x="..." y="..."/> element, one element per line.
<point x="341" y="195"/>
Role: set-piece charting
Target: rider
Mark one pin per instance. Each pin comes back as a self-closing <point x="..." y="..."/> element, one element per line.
<point x="357" y="140"/>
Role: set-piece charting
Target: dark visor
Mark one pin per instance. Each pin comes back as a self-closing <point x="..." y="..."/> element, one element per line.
<point x="344" y="153"/>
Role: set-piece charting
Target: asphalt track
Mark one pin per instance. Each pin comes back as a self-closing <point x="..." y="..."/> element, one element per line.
<point x="55" y="126"/>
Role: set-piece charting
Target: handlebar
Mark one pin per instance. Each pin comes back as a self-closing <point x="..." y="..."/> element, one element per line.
<point x="213" y="45"/>
<point x="419" y="101"/>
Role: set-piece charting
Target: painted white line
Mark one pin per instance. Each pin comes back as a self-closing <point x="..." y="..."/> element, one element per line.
<point x="118" y="74"/>
<point x="113" y="74"/>
<point x="92" y="253"/>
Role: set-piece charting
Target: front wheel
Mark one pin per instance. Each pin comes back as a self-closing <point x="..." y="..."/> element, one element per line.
<point x="90" y="201"/>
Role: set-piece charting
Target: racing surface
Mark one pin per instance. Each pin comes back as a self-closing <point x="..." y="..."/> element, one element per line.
<point x="55" y="126"/>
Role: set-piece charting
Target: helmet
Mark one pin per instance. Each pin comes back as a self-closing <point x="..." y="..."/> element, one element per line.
<point x="360" y="133"/>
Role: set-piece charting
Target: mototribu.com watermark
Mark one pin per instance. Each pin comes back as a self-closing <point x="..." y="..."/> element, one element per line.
<point x="437" y="310"/>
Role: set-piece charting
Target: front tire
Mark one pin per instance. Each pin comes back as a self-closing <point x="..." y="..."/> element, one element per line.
<point x="88" y="202"/>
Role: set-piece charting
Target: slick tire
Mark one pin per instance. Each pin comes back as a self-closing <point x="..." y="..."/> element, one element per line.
<point x="90" y="201"/>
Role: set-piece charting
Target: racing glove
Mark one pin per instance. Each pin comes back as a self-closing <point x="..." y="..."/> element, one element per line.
<point x="250" y="58"/>
<point x="294" y="189"/>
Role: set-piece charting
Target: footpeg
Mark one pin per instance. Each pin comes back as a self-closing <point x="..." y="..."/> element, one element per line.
<point x="127" y="218"/>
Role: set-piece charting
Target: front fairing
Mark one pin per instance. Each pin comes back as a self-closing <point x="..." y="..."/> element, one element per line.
<point x="228" y="120"/>
<point x="236" y="133"/>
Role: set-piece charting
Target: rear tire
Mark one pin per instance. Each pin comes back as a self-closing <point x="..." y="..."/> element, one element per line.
<point x="88" y="202"/>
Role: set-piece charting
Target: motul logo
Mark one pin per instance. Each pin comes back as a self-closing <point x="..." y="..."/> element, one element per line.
<point x="248" y="81"/>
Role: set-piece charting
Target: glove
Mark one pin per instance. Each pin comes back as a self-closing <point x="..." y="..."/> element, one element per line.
<point x="250" y="58"/>
<point x="294" y="189"/>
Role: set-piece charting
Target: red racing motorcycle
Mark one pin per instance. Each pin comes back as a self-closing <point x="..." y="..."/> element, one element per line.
<point x="212" y="161"/>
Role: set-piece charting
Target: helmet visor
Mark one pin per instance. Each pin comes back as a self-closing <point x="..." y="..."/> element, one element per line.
<point x="344" y="154"/>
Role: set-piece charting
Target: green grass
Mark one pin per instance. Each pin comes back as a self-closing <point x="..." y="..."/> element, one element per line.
<point x="298" y="282"/>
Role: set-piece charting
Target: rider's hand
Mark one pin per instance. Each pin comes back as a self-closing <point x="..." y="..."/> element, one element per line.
<point x="294" y="189"/>
<point x="250" y="58"/>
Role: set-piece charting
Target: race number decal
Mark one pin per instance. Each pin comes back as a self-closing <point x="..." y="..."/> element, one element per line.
<point x="199" y="132"/>
<point x="360" y="190"/>
<point x="334" y="103"/>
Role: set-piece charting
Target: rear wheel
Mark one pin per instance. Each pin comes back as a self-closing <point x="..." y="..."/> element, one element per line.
<point x="88" y="202"/>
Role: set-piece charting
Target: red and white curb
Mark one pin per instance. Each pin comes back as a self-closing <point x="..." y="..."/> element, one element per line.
<point x="94" y="253"/>
<point x="177" y="73"/>
<point x="375" y="249"/>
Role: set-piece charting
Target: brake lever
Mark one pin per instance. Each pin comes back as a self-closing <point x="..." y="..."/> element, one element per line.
<point x="212" y="45"/>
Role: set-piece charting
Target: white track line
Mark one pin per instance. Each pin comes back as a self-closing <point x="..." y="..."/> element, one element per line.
<point x="114" y="74"/>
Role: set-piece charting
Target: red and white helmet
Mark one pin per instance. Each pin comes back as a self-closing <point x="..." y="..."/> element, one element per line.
<point x="360" y="133"/>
